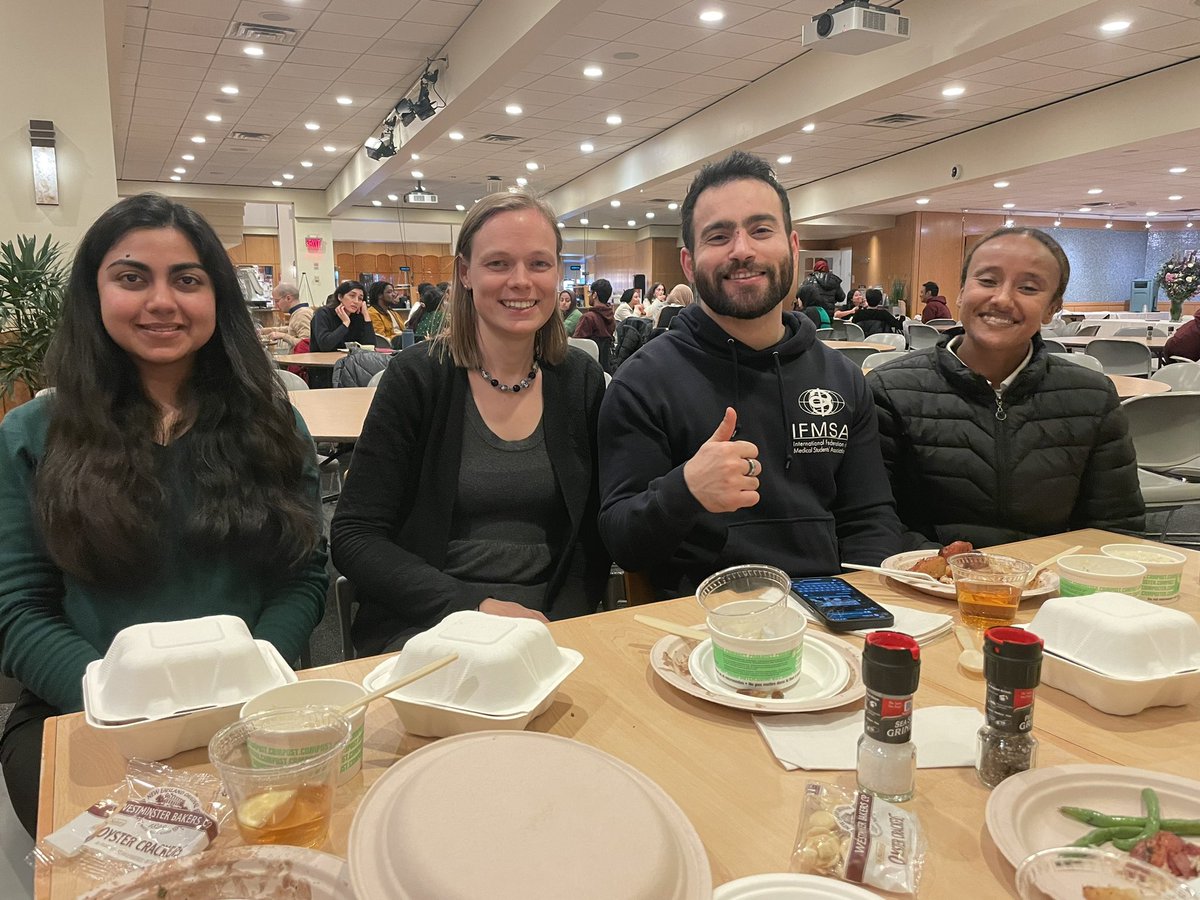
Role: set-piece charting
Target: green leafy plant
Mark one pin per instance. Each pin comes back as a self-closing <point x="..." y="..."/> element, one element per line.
<point x="33" y="280"/>
<point x="899" y="291"/>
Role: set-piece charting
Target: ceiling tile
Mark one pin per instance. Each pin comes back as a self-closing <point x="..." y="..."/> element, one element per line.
<point x="171" y="41"/>
<point x="359" y="25"/>
<point x="606" y="26"/>
<point x="183" y="24"/>
<point x="436" y="12"/>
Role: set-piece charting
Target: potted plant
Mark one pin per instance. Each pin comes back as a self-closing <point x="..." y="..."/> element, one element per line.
<point x="33" y="280"/>
<point x="899" y="289"/>
<point x="1180" y="279"/>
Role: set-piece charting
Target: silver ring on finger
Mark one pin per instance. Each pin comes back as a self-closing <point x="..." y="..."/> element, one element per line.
<point x="751" y="468"/>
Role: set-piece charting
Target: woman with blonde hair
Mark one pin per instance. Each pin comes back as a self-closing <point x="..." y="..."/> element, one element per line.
<point x="475" y="479"/>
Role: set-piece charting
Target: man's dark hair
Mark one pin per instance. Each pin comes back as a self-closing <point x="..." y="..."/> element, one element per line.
<point x="874" y="296"/>
<point x="601" y="289"/>
<point x="932" y="287"/>
<point x="736" y="166"/>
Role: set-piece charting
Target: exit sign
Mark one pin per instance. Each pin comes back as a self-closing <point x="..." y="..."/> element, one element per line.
<point x="576" y="268"/>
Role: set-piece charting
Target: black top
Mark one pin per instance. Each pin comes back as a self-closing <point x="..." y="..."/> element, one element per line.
<point x="329" y="334"/>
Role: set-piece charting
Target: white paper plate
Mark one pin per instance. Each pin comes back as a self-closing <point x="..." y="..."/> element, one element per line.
<point x="789" y="886"/>
<point x="287" y="873"/>
<point x="512" y="815"/>
<point x="1023" y="817"/>
<point x="1046" y="586"/>
<point x="670" y="660"/>
<point x="823" y="673"/>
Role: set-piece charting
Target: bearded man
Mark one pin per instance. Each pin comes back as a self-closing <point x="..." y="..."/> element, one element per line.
<point x="737" y="436"/>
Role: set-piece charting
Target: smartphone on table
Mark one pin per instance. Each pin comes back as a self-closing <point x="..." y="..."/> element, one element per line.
<point x="839" y="605"/>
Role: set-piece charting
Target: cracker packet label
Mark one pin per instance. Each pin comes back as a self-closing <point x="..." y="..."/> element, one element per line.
<point x="68" y="839"/>
<point x="165" y="823"/>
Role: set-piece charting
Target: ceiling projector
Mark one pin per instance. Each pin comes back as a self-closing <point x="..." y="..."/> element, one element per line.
<point x="420" y="195"/>
<point x="855" y="27"/>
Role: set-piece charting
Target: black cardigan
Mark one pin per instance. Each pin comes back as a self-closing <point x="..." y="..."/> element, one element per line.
<point x="329" y="334"/>
<point x="393" y="521"/>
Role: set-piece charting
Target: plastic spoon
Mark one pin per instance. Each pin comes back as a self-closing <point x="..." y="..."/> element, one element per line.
<point x="398" y="683"/>
<point x="900" y="574"/>
<point x="1045" y="564"/>
<point x="971" y="658"/>
<point x="683" y="631"/>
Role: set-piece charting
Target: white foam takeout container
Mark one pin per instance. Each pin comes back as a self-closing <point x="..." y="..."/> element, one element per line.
<point x="505" y="676"/>
<point x="1117" y="653"/>
<point x="163" y="735"/>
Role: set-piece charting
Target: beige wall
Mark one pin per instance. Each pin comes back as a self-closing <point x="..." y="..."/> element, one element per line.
<point x="55" y="72"/>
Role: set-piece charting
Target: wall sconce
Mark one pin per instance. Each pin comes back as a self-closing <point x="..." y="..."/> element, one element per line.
<point x="45" y="162"/>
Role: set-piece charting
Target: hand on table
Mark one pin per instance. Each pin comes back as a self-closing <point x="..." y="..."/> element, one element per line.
<point x="723" y="475"/>
<point x="494" y="607"/>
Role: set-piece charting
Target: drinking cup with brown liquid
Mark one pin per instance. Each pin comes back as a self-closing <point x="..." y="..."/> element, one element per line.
<point x="988" y="587"/>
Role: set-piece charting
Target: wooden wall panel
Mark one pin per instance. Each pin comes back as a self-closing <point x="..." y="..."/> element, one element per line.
<point x="616" y="261"/>
<point x="664" y="263"/>
<point x="939" y="254"/>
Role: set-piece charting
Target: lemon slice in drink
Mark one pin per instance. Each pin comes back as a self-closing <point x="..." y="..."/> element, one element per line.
<point x="266" y="809"/>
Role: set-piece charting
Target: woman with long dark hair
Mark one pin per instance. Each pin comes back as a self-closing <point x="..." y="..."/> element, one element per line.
<point x="426" y="322"/>
<point x="165" y="477"/>
<point x="342" y="320"/>
<point x="474" y="483"/>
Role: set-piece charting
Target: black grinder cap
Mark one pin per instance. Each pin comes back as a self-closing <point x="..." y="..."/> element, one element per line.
<point x="891" y="663"/>
<point x="1012" y="657"/>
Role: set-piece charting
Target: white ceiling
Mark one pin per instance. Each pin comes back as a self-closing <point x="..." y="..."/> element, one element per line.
<point x="661" y="66"/>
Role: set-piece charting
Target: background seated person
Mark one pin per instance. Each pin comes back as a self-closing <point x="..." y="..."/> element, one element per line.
<point x="873" y="318"/>
<point x="987" y="437"/>
<point x="166" y="477"/>
<point x="474" y="483"/>
<point x="1185" y="341"/>
<point x="381" y="303"/>
<point x="935" y="304"/>
<point x="286" y="298"/>
<point x="855" y="302"/>
<point x="427" y="320"/>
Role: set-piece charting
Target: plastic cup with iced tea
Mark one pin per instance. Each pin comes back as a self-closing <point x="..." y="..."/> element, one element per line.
<point x="277" y="799"/>
<point x="988" y="587"/>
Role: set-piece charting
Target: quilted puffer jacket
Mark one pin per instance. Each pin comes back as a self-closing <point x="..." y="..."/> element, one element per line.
<point x="1051" y="454"/>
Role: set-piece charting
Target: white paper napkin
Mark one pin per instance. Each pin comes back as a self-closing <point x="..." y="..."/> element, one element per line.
<point x="923" y="627"/>
<point x="944" y="735"/>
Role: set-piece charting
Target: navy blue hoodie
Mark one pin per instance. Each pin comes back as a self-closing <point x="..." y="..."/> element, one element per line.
<point x="824" y="492"/>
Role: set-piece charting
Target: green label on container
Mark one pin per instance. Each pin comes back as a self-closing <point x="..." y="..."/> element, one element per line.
<point x="757" y="669"/>
<point x="1158" y="587"/>
<point x="1068" y="588"/>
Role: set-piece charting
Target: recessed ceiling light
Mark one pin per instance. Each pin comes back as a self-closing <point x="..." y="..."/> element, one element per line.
<point x="630" y="222"/>
<point x="593" y="71"/>
<point x="1085" y="209"/>
<point x="1007" y="205"/>
<point x="1175" y="197"/>
<point x="649" y="215"/>
<point x="393" y="197"/>
<point x="1108" y="224"/>
<point x="176" y="178"/>
<point x="531" y="166"/>
<point x="810" y="127"/>
<point x="613" y="119"/>
<point x="521" y="182"/>
<point x="288" y="176"/>
<point x="583" y="221"/>
<point x="180" y="171"/>
<point x="455" y="135"/>
<point x="560" y="224"/>
<point x="459" y="207"/>
<point x="712" y="15"/>
<point x="377" y="203"/>
<point x="1152" y="213"/>
<point x="417" y="173"/>
<point x="344" y="101"/>
<point x="329" y="148"/>
<point x="953" y="91"/>
<point x="784" y="160"/>
<point x="1094" y="191"/>
<point x="1000" y="184"/>
<point x="187" y="157"/>
<point x="1177" y="170"/>
<point x="213" y="117"/>
<point x="921" y="201"/>
<point x="229" y="89"/>
<point x="587" y="147"/>
<point x="1115" y="26"/>
<point x="606" y="227"/>
<point x="416" y="156"/>
<point x="614" y="203"/>
<point x="277" y="183"/>
<point x="306" y="163"/>
<point x="513" y="109"/>
<point x="253" y="50"/>
<point x="312" y="126"/>
<point x="198" y="139"/>
<point x="672" y="206"/>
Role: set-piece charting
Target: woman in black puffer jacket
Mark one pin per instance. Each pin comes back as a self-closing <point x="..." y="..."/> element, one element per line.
<point x="990" y="439"/>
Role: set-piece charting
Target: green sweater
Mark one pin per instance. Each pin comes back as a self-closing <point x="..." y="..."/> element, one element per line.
<point x="52" y="625"/>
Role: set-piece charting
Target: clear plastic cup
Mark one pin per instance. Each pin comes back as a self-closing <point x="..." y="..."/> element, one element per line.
<point x="1063" y="872"/>
<point x="280" y="798"/>
<point x="758" y="641"/>
<point x="988" y="587"/>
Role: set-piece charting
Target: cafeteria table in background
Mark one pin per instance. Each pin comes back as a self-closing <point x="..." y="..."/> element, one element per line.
<point x="1078" y="342"/>
<point x="311" y="360"/>
<point x="710" y="758"/>
<point x="337" y="415"/>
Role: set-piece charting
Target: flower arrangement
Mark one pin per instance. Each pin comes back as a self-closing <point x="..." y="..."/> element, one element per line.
<point x="1180" y="279"/>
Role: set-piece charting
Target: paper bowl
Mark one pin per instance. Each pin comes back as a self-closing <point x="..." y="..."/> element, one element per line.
<point x="1119" y="635"/>
<point x="504" y="665"/>
<point x="320" y="692"/>
<point x="1090" y="574"/>
<point x="1164" y="569"/>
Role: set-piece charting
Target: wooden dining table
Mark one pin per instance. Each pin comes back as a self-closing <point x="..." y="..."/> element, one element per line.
<point x="334" y="415"/>
<point x="710" y="758"/>
<point x="1080" y="342"/>
<point x="311" y="360"/>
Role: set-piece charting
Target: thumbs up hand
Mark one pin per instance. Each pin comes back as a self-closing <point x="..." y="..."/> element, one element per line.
<point x="723" y="475"/>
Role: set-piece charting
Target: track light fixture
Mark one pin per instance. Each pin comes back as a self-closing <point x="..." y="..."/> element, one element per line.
<point x="406" y="111"/>
<point x="380" y="147"/>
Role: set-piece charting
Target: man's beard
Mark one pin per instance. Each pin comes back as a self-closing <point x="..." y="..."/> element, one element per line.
<point x="710" y="287"/>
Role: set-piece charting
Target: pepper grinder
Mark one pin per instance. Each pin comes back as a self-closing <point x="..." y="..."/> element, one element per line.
<point x="1012" y="665"/>
<point x="887" y="758"/>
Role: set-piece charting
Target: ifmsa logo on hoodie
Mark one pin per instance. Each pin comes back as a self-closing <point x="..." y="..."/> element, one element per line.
<point x="824" y="428"/>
